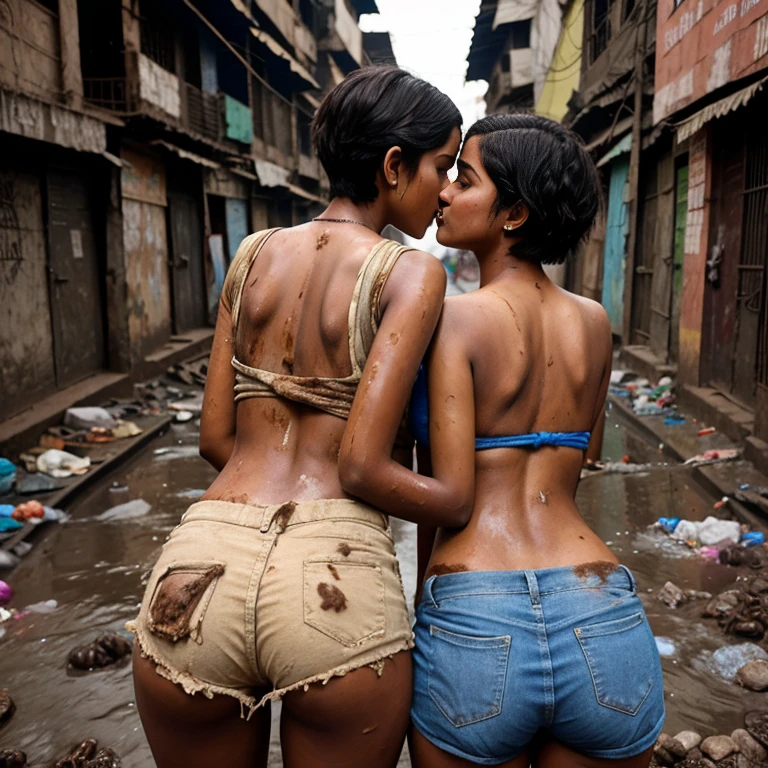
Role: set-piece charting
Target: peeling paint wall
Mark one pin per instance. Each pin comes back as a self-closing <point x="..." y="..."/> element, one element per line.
<point x="146" y="253"/>
<point x="703" y="45"/>
<point x="159" y="87"/>
<point x="29" y="49"/>
<point x="694" y="260"/>
<point x="26" y="354"/>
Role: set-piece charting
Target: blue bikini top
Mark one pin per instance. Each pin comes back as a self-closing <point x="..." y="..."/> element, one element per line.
<point x="418" y="425"/>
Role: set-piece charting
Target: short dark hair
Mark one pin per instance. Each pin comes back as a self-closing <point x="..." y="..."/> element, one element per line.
<point x="539" y="162"/>
<point x="372" y="110"/>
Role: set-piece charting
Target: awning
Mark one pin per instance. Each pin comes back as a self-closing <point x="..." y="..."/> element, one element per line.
<point x="624" y="146"/>
<point x="243" y="8"/>
<point x="270" y="174"/>
<point x="299" y="192"/>
<point x="278" y="50"/>
<point x="614" y="132"/>
<point x="184" y="155"/>
<point x="687" y="128"/>
<point x="510" y="11"/>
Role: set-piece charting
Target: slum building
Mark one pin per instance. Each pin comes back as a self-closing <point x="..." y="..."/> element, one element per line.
<point x="141" y="140"/>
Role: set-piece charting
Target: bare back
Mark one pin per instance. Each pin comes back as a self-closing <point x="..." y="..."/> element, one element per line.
<point x="294" y="321"/>
<point x="540" y="362"/>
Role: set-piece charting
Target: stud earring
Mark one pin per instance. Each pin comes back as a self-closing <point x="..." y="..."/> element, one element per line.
<point x="508" y="227"/>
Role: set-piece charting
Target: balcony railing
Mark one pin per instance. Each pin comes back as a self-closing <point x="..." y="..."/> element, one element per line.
<point x="106" y="92"/>
<point x="272" y="118"/>
<point x="202" y="112"/>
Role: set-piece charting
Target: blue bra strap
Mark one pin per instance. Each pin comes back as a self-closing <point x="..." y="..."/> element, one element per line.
<point x="535" y="440"/>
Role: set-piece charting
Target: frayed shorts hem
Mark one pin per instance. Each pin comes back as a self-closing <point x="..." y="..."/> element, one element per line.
<point x="192" y="685"/>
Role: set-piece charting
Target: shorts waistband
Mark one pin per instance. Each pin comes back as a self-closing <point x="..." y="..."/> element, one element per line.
<point x="532" y="582"/>
<point x="286" y="514"/>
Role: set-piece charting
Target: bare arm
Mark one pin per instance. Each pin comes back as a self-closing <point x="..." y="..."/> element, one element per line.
<point x="366" y="467"/>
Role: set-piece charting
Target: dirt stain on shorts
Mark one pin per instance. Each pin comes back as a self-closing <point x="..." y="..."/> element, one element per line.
<point x="442" y="569"/>
<point x="333" y="598"/>
<point x="600" y="568"/>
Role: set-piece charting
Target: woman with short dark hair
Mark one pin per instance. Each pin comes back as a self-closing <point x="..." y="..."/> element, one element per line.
<point x="278" y="584"/>
<point x="532" y="645"/>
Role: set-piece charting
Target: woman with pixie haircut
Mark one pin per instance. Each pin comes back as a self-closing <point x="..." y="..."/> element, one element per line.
<point x="278" y="584"/>
<point x="532" y="645"/>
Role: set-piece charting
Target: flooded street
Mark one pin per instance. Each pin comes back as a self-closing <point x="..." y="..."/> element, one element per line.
<point x="94" y="569"/>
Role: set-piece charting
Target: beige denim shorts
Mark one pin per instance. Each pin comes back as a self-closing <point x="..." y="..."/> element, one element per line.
<point x="247" y="597"/>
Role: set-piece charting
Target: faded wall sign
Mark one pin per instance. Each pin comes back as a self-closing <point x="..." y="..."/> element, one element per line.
<point x="703" y="45"/>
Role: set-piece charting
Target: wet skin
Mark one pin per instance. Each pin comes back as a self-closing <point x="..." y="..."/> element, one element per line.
<point x="294" y="320"/>
<point x="519" y="355"/>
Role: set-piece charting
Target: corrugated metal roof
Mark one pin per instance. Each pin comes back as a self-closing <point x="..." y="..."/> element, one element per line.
<point x="687" y="128"/>
<point x="509" y="11"/>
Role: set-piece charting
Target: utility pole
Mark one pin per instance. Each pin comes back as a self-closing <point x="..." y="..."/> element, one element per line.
<point x="633" y="180"/>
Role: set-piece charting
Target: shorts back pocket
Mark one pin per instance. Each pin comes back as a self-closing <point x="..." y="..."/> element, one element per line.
<point x="180" y="599"/>
<point x="344" y="600"/>
<point x="467" y="675"/>
<point x="622" y="660"/>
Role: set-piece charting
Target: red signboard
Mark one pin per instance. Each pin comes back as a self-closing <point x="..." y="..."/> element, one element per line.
<point x="703" y="44"/>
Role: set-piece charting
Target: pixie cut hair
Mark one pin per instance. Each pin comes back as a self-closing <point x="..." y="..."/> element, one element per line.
<point x="537" y="161"/>
<point x="372" y="110"/>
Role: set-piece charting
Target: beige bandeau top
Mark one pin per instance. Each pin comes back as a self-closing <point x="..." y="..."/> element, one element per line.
<point x="330" y="394"/>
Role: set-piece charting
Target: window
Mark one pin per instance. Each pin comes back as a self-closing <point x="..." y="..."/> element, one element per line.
<point x="521" y="34"/>
<point x="601" y="27"/>
<point x="157" y="38"/>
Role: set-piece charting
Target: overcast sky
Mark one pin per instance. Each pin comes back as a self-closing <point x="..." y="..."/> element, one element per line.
<point x="431" y="38"/>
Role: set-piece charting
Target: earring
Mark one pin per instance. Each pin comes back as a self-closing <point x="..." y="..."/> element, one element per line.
<point x="508" y="227"/>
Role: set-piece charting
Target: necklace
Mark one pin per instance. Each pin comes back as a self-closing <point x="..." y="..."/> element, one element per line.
<point x="345" y="221"/>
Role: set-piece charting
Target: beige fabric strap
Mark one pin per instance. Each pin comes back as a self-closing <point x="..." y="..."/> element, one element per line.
<point x="234" y="283"/>
<point x="332" y="395"/>
<point x="364" y="310"/>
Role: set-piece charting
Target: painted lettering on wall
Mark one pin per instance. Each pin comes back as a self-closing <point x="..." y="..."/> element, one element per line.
<point x="728" y="15"/>
<point x="10" y="231"/>
<point x="688" y="21"/>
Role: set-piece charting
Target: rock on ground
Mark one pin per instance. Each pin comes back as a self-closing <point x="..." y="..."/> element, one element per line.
<point x="754" y="675"/>
<point x="750" y="747"/>
<point x="719" y="747"/>
<point x="689" y="739"/>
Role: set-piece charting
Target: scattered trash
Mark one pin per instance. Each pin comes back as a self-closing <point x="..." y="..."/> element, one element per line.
<point x="194" y="404"/>
<point x="706" y="431"/>
<point x="27" y="511"/>
<point x="753" y="675"/>
<point x="62" y="464"/>
<point x="710" y="457"/>
<point x="130" y="510"/>
<point x="85" y="418"/>
<point x="43" y="608"/>
<point x="8" y="525"/>
<point x="184" y="416"/>
<point x="7" y="476"/>
<point x="753" y="538"/>
<point x="6" y="593"/>
<point x="8" y="559"/>
<point x="104" y="651"/>
<point x="674" y="419"/>
<point x="729" y="659"/>
<point x="7" y="707"/>
<point x="124" y="429"/>
<point x="668" y="524"/>
<point x="36" y="483"/>
<point x="721" y="503"/>
<point x="177" y="452"/>
<point x="670" y="594"/>
<point x="191" y="493"/>
<point x="5" y="615"/>
<point x="665" y="646"/>
<point x="705" y="533"/>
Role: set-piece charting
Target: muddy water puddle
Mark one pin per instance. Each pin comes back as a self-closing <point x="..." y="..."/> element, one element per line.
<point x="94" y="568"/>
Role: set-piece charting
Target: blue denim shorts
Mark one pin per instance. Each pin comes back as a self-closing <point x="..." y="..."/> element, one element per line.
<point x="503" y="655"/>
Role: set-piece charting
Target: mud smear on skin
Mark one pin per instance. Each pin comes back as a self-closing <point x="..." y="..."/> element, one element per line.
<point x="443" y="569"/>
<point x="600" y="568"/>
<point x="511" y="309"/>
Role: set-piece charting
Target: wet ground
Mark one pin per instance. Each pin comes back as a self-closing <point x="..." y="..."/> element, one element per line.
<point x="94" y="569"/>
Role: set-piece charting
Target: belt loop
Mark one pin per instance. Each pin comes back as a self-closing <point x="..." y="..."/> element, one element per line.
<point x="266" y="519"/>
<point x="632" y="582"/>
<point x="533" y="587"/>
<point x="428" y="593"/>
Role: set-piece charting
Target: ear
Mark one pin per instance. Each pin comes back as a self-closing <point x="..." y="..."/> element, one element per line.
<point x="517" y="216"/>
<point x="392" y="166"/>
